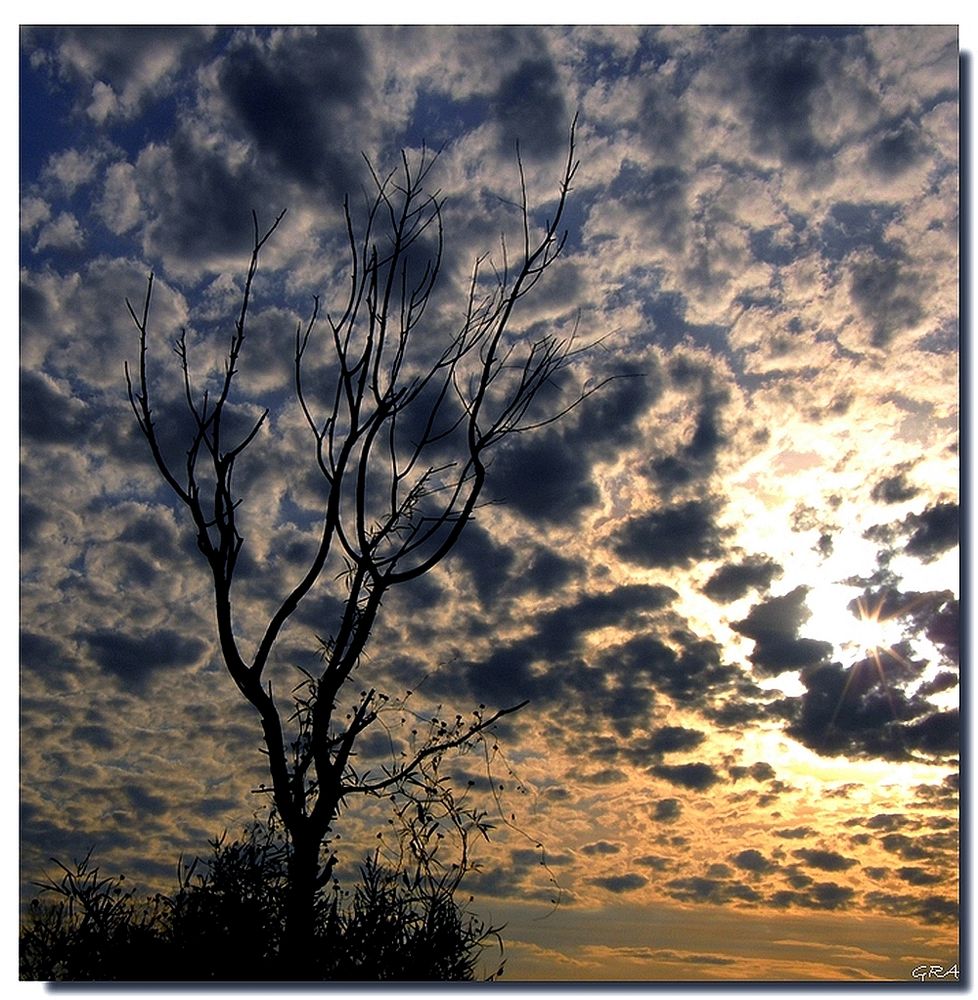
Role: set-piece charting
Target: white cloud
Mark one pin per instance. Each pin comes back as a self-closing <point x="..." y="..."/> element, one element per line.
<point x="62" y="232"/>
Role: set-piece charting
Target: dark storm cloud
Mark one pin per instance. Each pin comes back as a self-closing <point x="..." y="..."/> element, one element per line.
<point x="931" y="909"/>
<point x="544" y="478"/>
<point x="687" y="669"/>
<point x="654" y="861"/>
<point x="134" y="661"/>
<point x="888" y="295"/>
<point x="753" y="861"/>
<point x="507" y="675"/>
<point x="700" y="380"/>
<point x="828" y="896"/>
<point x="887" y="821"/>
<point x="48" y="414"/>
<point x="146" y="802"/>
<point x="628" y="882"/>
<point x="601" y="847"/>
<point x="487" y="563"/>
<point x="667" y="810"/>
<point x="98" y="737"/>
<point x="795" y="833"/>
<point x="699" y="889"/>
<point x="662" y="120"/>
<point x="607" y="422"/>
<point x="774" y="627"/>
<point x="944" y="630"/>
<point x="851" y="226"/>
<point x="944" y="681"/>
<point x="784" y="73"/>
<point x="670" y="739"/>
<point x="696" y="459"/>
<point x="696" y="777"/>
<point x="864" y="711"/>
<point x="826" y="861"/>
<point x="673" y="536"/>
<point x="301" y="103"/>
<point x="659" y="197"/>
<point x="531" y="109"/>
<point x="894" y="489"/>
<point x="919" y="876"/>
<point x="933" y="531"/>
<point x="546" y="573"/>
<point x="899" y="147"/>
<point x="200" y="203"/>
<point x="734" y="580"/>
<point x="760" y="771"/>
<point x="547" y="476"/>
<point x="938" y="733"/>
<point x="46" y="655"/>
<point x="623" y="606"/>
<point x="605" y="776"/>
<point x="933" y="613"/>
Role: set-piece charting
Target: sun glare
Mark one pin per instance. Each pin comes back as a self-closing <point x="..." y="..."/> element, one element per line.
<point x="871" y="629"/>
<point x="853" y="635"/>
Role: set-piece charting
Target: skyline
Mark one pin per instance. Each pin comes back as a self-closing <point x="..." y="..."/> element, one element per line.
<point x="727" y="583"/>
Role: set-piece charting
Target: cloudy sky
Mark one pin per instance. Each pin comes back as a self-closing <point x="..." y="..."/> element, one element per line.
<point x="727" y="583"/>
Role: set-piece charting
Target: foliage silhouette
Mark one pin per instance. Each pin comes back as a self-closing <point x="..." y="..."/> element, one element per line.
<point x="227" y="922"/>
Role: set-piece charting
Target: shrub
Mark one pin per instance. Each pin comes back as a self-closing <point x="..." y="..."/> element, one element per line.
<point x="225" y="922"/>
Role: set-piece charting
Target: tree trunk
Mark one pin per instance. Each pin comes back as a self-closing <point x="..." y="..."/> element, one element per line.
<point x="298" y="946"/>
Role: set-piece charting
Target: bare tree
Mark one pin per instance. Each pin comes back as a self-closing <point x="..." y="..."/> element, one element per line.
<point x="401" y="438"/>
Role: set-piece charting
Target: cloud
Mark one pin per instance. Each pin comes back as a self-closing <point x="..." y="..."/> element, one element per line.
<point x="667" y="810"/>
<point x="766" y="220"/>
<point x="887" y="293"/>
<point x="759" y="771"/>
<point x="700" y="889"/>
<point x="784" y="73"/>
<point x="48" y="413"/>
<point x="531" y="109"/>
<point x="297" y="95"/>
<point x="932" y="909"/>
<point x="894" y="489"/>
<point x="670" y="739"/>
<point x="753" y="861"/>
<point x="543" y="478"/>
<point x="135" y="661"/>
<point x="900" y="147"/>
<point x="933" y="531"/>
<point x="617" y="884"/>
<point x="120" y="69"/>
<point x="774" y="626"/>
<point x="860" y="711"/>
<point x="697" y="777"/>
<point x="61" y="233"/>
<point x="548" y="477"/>
<point x="827" y="861"/>
<point x="735" y="580"/>
<point x="675" y="536"/>
<point x="601" y="847"/>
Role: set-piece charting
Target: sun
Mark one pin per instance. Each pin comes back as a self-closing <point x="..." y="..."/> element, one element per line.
<point x="868" y="629"/>
<point x="873" y="631"/>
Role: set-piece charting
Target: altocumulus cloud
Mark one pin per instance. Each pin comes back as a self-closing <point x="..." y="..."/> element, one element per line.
<point x="766" y="218"/>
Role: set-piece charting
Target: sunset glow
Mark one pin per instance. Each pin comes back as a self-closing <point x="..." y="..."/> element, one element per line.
<point x="726" y="584"/>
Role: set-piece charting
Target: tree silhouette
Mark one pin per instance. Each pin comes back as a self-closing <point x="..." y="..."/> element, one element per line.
<point x="401" y="436"/>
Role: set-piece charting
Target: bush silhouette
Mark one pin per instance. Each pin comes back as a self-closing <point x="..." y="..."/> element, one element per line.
<point x="226" y="920"/>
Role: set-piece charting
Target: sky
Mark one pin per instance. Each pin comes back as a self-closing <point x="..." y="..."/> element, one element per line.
<point x="727" y="583"/>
